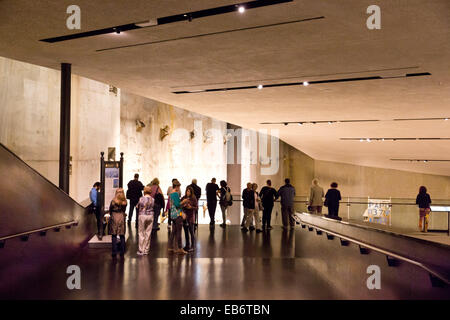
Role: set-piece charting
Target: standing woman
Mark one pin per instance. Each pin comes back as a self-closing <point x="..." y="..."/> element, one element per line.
<point x="146" y="220"/>
<point x="423" y="200"/>
<point x="117" y="221"/>
<point x="332" y="199"/>
<point x="157" y="195"/>
<point x="224" y="192"/>
<point x="189" y="206"/>
<point x="177" y="216"/>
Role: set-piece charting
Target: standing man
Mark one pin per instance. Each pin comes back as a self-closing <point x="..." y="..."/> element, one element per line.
<point x="211" y="199"/>
<point x="316" y="197"/>
<point x="198" y="194"/>
<point x="134" y="193"/>
<point x="94" y="195"/>
<point x="268" y="196"/>
<point x="287" y="194"/>
<point x="248" y="203"/>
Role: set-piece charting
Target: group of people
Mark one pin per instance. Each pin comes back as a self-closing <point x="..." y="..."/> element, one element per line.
<point x="182" y="211"/>
<point x="332" y="198"/>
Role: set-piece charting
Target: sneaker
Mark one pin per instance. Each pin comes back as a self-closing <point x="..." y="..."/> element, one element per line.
<point x="252" y="228"/>
<point x="258" y="230"/>
<point x="223" y="225"/>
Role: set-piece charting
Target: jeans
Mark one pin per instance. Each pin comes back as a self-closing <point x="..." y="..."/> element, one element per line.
<point x="114" y="244"/>
<point x="286" y="215"/>
<point x="189" y="233"/>
<point x="224" y="214"/>
<point x="133" y="204"/>
<point x="267" y="215"/>
<point x="99" y="217"/>
<point x="175" y="234"/>
<point x="212" y="211"/>
<point x="157" y="211"/>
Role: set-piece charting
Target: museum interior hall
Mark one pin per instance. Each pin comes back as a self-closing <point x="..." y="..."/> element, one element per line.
<point x="343" y="105"/>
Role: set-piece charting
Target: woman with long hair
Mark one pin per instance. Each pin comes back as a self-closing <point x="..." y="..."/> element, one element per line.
<point x="177" y="216"/>
<point x="157" y="195"/>
<point x="189" y="206"/>
<point x="423" y="200"/>
<point x="117" y="221"/>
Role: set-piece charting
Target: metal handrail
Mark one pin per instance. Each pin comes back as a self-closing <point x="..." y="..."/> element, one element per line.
<point x="380" y="250"/>
<point x="73" y="222"/>
<point x="350" y="202"/>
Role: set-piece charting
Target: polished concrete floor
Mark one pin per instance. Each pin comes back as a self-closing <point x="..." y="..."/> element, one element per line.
<point x="228" y="264"/>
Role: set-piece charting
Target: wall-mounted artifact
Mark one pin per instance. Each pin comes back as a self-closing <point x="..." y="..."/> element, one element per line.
<point x="163" y="132"/>
<point x="227" y="137"/>
<point x="139" y="125"/>
<point x="113" y="89"/>
<point x="207" y="136"/>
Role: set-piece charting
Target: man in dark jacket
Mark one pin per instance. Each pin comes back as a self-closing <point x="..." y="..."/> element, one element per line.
<point x="287" y="194"/>
<point x="211" y="199"/>
<point x="198" y="194"/>
<point x="248" y="201"/>
<point x="268" y="196"/>
<point x="134" y="193"/>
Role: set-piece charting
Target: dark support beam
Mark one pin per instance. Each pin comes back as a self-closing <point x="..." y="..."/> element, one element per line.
<point x="64" y="135"/>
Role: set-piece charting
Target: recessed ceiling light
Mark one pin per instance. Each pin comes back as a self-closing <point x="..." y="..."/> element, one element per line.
<point x="305" y="83"/>
<point x="330" y="122"/>
<point x="260" y="86"/>
<point x="286" y="123"/>
<point x="446" y="119"/>
<point x="241" y="9"/>
<point x="368" y="139"/>
<point x="300" y="123"/>
<point x="361" y="140"/>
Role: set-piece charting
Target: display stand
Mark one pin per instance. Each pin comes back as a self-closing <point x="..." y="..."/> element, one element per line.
<point x="111" y="178"/>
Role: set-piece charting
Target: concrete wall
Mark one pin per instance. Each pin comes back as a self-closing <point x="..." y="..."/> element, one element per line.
<point x="177" y="155"/>
<point x="29" y="122"/>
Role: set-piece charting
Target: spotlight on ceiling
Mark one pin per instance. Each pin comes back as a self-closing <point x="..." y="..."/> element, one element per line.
<point x="260" y="86"/>
<point x="300" y="123"/>
<point x="305" y="83"/>
<point x="446" y="119"/>
<point x="286" y="123"/>
<point x="241" y="9"/>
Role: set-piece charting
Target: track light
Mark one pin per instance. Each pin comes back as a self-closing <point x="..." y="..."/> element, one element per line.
<point x="305" y="83"/>
<point x="241" y="9"/>
<point x="260" y="86"/>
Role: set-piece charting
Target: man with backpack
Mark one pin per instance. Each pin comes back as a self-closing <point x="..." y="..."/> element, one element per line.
<point x="226" y="200"/>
